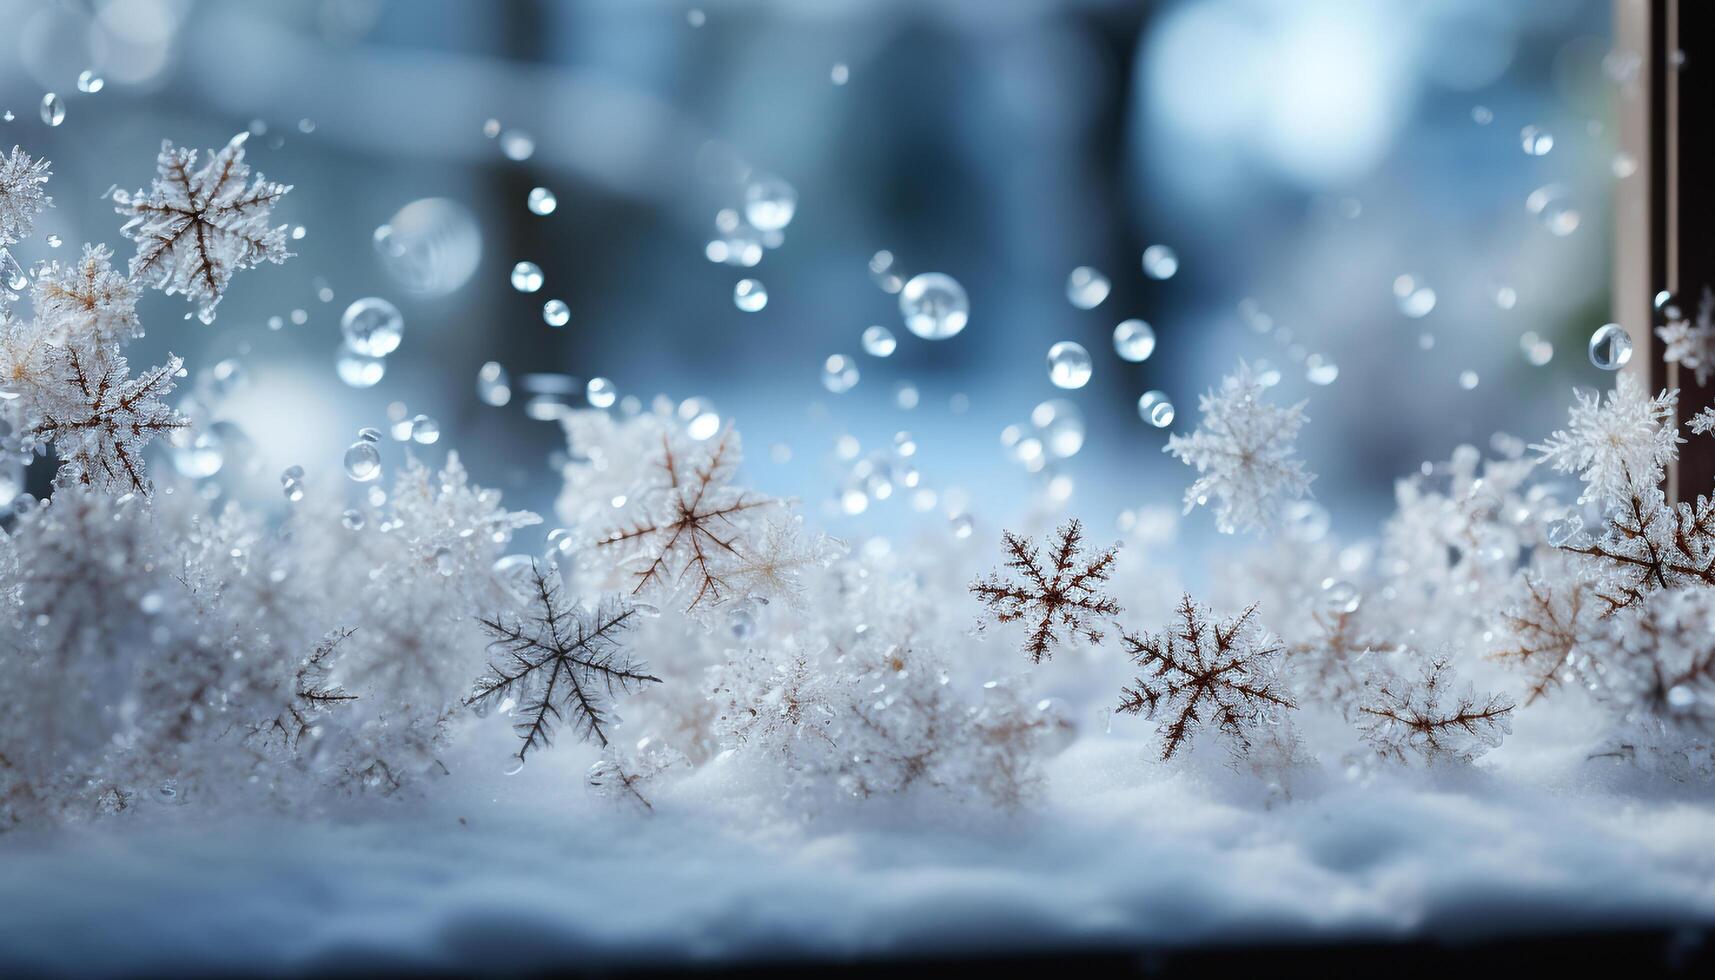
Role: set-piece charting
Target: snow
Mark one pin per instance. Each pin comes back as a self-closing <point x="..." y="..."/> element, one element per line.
<point x="494" y="871"/>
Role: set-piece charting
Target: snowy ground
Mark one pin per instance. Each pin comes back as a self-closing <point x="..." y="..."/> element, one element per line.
<point x="495" y="871"/>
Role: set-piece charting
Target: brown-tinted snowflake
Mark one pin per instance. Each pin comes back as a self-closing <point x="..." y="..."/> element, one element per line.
<point x="1431" y="718"/>
<point x="1060" y="600"/>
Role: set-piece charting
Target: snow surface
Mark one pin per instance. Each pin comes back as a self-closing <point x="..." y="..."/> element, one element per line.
<point x="496" y="871"/>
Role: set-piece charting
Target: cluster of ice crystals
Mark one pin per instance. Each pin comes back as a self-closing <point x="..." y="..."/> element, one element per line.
<point x="1615" y="444"/>
<point x="1244" y="451"/>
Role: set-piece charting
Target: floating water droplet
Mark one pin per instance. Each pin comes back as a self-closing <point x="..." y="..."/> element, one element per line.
<point x="1069" y="365"/>
<point x="840" y="73"/>
<point x="1468" y="380"/>
<point x="493" y="385"/>
<point x="1414" y="299"/>
<point x="89" y="83"/>
<point x="1319" y="370"/>
<point x="1134" y="340"/>
<point x="541" y="200"/>
<point x="53" y="109"/>
<point x="1482" y="115"/>
<point x="1155" y="408"/>
<point x="352" y="519"/>
<point x="555" y="313"/>
<point x="934" y="305"/>
<point x="1340" y="597"/>
<point x="1060" y="426"/>
<point x="425" y="431"/>
<point x="197" y="454"/>
<point x="1666" y="307"/>
<point x="962" y="525"/>
<point x="369" y="433"/>
<point x="491" y="127"/>
<point x="1536" y="140"/>
<point x="363" y="461"/>
<point x="372" y="326"/>
<point x="359" y="370"/>
<point x="431" y="246"/>
<point x="749" y="295"/>
<point x="1506" y="297"/>
<point x="881" y="269"/>
<point x="1160" y="262"/>
<point x="517" y="145"/>
<point x="769" y="203"/>
<point x="1536" y="350"/>
<point x="1610" y="347"/>
<point x="601" y="392"/>
<point x="695" y="17"/>
<point x="879" y="342"/>
<point x="1554" y="208"/>
<point x="293" y="489"/>
<point x="1624" y="165"/>
<point x="1087" y="287"/>
<point x="12" y="273"/>
<point x="839" y="374"/>
<point x="526" y="277"/>
<point x="1680" y="696"/>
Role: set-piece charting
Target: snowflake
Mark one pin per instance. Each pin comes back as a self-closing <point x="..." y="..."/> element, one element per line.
<point x="1649" y="545"/>
<point x="1335" y="663"/>
<point x="1204" y="672"/>
<point x="1617" y="444"/>
<point x="1543" y="633"/>
<point x="558" y="661"/>
<point x="691" y="530"/>
<point x="21" y="197"/>
<point x="25" y="350"/>
<point x="1704" y="421"/>
<point x="1691" y="343"/>
<point x="1659" y="659"/>
<point x="313" y="694"/>
<point x="87" y="303"/>
<point x="1058" y="602"/>
<point x="444" y="520"/>
<point x="100" y="419"/>
<point x="1429" y="719"/>
<point x="1243" y="451"/>
<point x="195" y="228"/>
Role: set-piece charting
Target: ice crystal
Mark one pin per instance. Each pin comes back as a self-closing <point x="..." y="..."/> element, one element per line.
<point x="21" y="198"/>
<point x="1245" y="454"/>
<point x="100" y="418"/>
<point x="195" y="227"/>
<point x="1617" y="444"/>
<point x="87" y="303"/>
<point x="1059" y="600"/>
<point x="1648" y="545"/>
<point x="1542" y="634"/>
<point x="1659" y="661"/>
<point x="1427" y="717"/>
<point x="560" y="665"/>
<point x="1202" y="672"/>
<point x="1336" y="661"/>
<point x="1690" y="343"/>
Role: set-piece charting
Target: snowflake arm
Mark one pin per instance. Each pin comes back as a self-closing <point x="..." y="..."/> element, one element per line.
<point x="1245" y="454"/>
<point x="1648" y="546"/>
<point x="1542" y="633"/>
<point x="87" y="303"/>
<point x="99" y="418"/>
<point x="1615" y="445"/>
<point x="1058" y="601"/>
<point x="21" y="197"/>
<point x="1429" y="719"/>
<point x="1691" y="343"/>
<point x="195" y="227"/>
<point x="557" y="662"/>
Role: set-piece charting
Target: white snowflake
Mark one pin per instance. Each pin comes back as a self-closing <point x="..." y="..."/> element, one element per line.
<point x="1616" y="444"/>
<point x="1690" y="343"/>
<point x="195" y="228"/>
<point x="1245" y="452"/>
<point x="21" y="197"/>
<point x="100" y="418"/>
<point x="86" y="302"/>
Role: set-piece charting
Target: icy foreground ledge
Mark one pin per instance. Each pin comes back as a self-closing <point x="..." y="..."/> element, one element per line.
<point x="1115" y="858"/>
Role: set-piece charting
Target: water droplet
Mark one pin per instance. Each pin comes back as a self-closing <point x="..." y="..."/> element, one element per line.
<point x="963" y="525"/>
<point x="1155" y="408"/>
<point x="431" y="246"/>
<point x="514" y="768"/>
<point x="89" y="83"/>
<point x="53" y="109"/>
<point x="13" y="273"/>
<point x="425" y="431"/>
<point x="1414" y="299"/>
<point x="882" y="271"/>
<point x="840" y="73"/>
<point x="1468" y="380"/>
<point x="493" y="385"/>
<point x="1134" y="340"/>
<point x="749" y="295"/>
<point x="1087" y="287"/>
<point x="601" y="392"/>
<point x="197" y="454"/>
<point x="695" y="17"/>
<point x="1160" y="262"/>
<point x="369" y="433"/>
<point x="1536" y="140"/>
<point x="541" y="200"/>
<point x="1340" y="596"/>
<point x="526" y="277"/>
<point x="1680" y="697"/>
<point x="517" y="145"/>
<point x="363" y="461"/>
<point x="555" y="313"/>
<point x="1554" y="208"/>
<point x="934" y="305"/>
<point x="839" y="374"/>
<point x="1536" y="350"/>
<point x="1069" y="365"/>
<point x="1060" y="426"/>
<point x="359" y="370"/>
<point x="769" y="203"/>
<point x="1482" y="115"/>
<point x="1506" y="297"/>
<point x="1610" y="347"/>
<point x="1320" y="370"/>
<point x="879" y="342"/>
<point x="293" y="490"/>
<point x="352" y="519"/>
<point x="445" y="562"/>
<point x="1666" y="307"/>
<point x="372" y="326"/>
<point x="1624" y="165"/>
<point x="491" y="127"/>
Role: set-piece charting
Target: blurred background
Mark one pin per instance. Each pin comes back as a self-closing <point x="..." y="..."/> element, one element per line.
<point x="1401" y="205"/>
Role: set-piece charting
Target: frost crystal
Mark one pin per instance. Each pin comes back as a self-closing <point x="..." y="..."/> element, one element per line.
<point x="1543" y="633"/>
<point x="1058" y="601"/>
<point x="1659" y="661"/>
<point x="21" y="197"/>
<point x="1691" y="343"/>
<point x="1244" y="452"/>
<point x="195" y="228"/>
<point x="1615" y="445"/>
<point x="1648" y="545"/>
<point x="87" y="303"/>
<point x="1204" y="672"/>
<point x="1427" y="717"/>
<point x="100" y="418"/>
